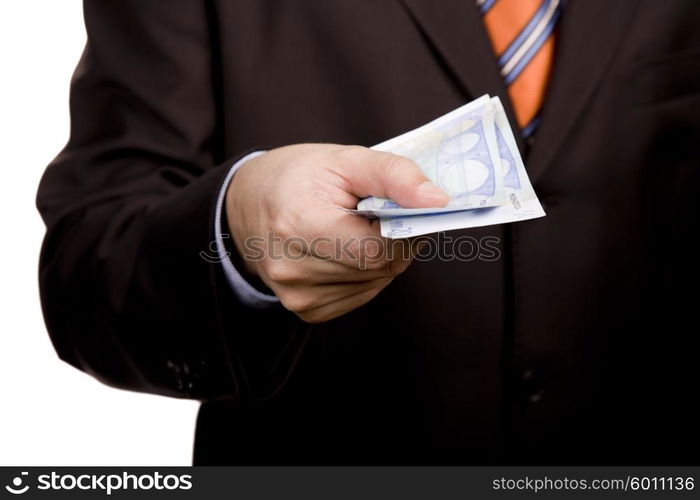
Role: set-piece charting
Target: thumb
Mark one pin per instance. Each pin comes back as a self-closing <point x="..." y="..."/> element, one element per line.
<point x="386" y="175"/>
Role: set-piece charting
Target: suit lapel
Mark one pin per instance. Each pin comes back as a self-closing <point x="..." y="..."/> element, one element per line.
<point x="589" y="36"/>
<point x="455" y="30"/>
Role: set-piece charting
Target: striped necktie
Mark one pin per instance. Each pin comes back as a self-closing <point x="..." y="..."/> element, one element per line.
<point x="522" y="36"/>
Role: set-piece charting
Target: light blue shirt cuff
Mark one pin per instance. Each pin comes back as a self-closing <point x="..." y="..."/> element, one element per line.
<point x="244" y="291"/>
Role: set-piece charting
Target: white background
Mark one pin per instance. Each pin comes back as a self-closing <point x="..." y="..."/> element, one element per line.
<point x="50" y="413"/>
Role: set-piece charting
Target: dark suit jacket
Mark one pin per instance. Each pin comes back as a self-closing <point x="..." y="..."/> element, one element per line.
<point x="578" y="345"/>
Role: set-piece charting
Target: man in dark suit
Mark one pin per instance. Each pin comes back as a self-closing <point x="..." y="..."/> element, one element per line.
<point x="577" y="345"/>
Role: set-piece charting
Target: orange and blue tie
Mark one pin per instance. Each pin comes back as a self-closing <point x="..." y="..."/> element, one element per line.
<point x="522" y="35"/>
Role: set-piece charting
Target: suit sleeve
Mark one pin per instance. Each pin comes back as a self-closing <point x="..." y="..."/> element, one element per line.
<point x="129" y="206"/>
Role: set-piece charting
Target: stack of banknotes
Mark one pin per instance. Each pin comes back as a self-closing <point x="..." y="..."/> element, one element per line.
<point x="471" y="154"/>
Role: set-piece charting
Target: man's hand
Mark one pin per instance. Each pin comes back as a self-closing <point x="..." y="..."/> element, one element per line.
<point x="284" y="211"/>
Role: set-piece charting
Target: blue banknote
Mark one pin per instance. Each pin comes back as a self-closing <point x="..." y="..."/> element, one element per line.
<point x="519" y="201"/>
<point x="459" y="152"/>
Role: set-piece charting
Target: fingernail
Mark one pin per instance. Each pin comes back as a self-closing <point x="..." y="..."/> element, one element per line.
<point x="430" y="192"/>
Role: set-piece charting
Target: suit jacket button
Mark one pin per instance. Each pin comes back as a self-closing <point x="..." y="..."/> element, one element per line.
<point x="531" y="386"/>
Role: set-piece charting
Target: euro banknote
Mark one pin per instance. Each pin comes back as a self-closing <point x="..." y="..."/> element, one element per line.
<point x="472" y="154"/>
<point x="458" y="152"/>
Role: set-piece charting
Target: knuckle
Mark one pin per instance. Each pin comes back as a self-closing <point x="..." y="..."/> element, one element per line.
<point x="348" y="154"/>
<point x="281" y="226"/>
<point x="312" y="317"/>
<point x="351" y="150"/>
<point x="280" y="271"/>
<point x="397" y="267"/>
<point x="297" y="302"/>
<point x="396" y="166"/>
<point x="375" y="264"/>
